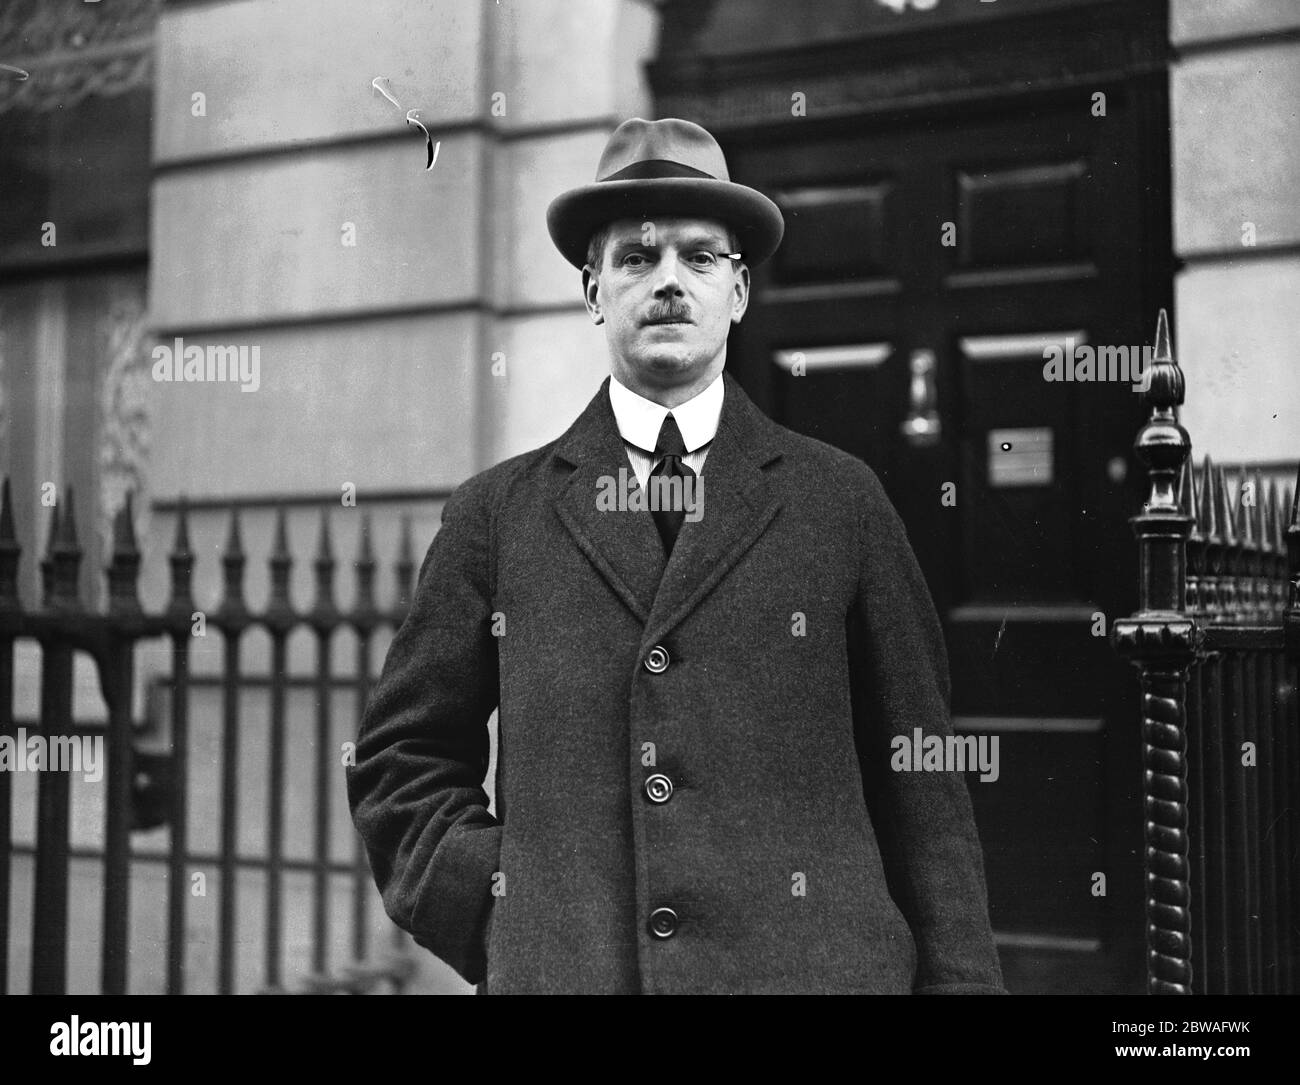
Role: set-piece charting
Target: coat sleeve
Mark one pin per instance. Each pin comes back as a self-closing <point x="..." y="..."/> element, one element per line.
<point x="416" y="791"/>
<point x="923" y="820"/>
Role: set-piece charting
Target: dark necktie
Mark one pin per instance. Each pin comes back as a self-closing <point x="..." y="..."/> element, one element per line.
<point x="672" y="448"/>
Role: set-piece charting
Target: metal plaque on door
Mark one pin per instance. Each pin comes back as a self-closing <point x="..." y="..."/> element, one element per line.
<point x="1020" y="457"/>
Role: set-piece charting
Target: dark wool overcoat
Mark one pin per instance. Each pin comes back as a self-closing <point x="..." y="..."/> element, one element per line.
<point x="759" y="674"/>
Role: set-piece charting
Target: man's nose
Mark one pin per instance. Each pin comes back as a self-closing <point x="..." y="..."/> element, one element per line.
<point x="666" y="281"/>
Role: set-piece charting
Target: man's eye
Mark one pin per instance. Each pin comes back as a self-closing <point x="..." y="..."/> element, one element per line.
<point x="703" y="259"/>
<point x="634" y="259"/>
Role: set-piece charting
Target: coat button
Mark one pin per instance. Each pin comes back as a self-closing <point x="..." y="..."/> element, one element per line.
<point x="656" y="660"/>
<point x="663" y="922"/>
<point x="658" y="788"/>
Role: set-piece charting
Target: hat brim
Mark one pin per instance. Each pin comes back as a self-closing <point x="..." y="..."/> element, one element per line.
<point x="577" y="214"/>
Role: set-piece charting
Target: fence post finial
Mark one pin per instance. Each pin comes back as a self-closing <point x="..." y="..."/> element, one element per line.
<point x="1229" y="596"/>
<point x="232" y="611"/>
<point x="181" y="561"/>
<point x="1266" y="593"/>
<point x="279" y="609"/>
<point x="124" y="565"/>
<point x="63" y="563"/>
<point x="1212" y="529"/>
<point x="323" y="609"/>
<point x="1189" y="503"/>
<point x="364" y="613"/>
<point x="10" y="552"/>
<point x="1159" y="640"/>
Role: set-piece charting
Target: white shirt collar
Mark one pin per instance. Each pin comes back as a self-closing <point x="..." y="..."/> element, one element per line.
<point x="639" y="419"/>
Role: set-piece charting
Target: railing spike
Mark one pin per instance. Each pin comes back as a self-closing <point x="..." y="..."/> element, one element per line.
<point x="61" y="568"/>
<point x="47" y="559"/>
<point x="1249" y="559"/>
<point x="124" y="540"/>
<point x="279" y="607"/>
<point x="1227" y="514"/>
<point x="363" y="603"/>
<point x="1162" y="351"/>
<point x="52" y="540"/>
<point x="1190" y="506"/>
<point x="1279" y="528"/>
<point x="232" y="609"/>
<point x="1210" y="592"/>
<point x="1259" y="512"/>
<point x="1288" y="514"/>
<point x="324" y="544"/>
<point x="7" y="532"/>
<point x="324" y="610"/>
<point x="1228" y="593"/>
<point x="1209" y="500"/>
<point x="181" y="562"/>
<point x="1270" y="571"/>
<point x="10" y="552"/>
<point x="280" y="549"/>
<point x="1279" y="519"/>
<point x="1265" y="521"/>
<point x="124" y="565"/>
<point x="1245" y="516"/>
<point x="234" y="549"/>
<point x="68" y="525"/>
<point x="365" y="547"/>
<point x="181" y="537"/>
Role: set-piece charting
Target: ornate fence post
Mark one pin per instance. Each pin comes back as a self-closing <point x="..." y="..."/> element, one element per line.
<point x="1160" y="641"/>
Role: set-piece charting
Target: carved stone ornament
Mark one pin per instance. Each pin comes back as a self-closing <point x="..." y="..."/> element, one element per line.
<point x="55" y="54"/>
<point x="124" y="430"/>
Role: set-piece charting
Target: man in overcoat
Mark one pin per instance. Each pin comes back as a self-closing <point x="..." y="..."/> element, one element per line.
<point x="696" y="696"/>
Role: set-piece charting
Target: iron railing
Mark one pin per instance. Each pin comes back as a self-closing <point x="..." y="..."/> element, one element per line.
<point x="1216" y="641"/>
<point x="144" y="789"/>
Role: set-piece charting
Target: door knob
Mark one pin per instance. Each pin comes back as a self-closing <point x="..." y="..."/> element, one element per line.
<point x="921" y="427"/>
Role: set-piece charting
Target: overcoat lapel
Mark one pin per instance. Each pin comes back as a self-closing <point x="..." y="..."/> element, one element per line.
<point x="738" y="505"/>
<point x="624" y="546"/>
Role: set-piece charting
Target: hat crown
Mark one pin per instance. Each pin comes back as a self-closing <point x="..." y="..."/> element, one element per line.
<point x="667" y="167"/>
<point x="670" y="140"/>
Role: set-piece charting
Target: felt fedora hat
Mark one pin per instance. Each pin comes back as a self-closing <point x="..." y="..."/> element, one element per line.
<point x="669" y="167"/>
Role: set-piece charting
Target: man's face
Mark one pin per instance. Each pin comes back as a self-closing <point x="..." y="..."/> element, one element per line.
<point x="667" y="297"/>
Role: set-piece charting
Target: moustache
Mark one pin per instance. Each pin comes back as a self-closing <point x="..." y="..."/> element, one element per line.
<point x="663" y="313"/>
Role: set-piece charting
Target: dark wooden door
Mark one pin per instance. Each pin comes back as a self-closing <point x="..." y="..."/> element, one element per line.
<point x="932" y="253"/>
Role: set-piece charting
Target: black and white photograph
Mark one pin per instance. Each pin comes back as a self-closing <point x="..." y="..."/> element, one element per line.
<point x="628" y="497"/>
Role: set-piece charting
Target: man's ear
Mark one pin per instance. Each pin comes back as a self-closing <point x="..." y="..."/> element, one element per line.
<point x="740" y="301"/>
<point x="591" y="294"/>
